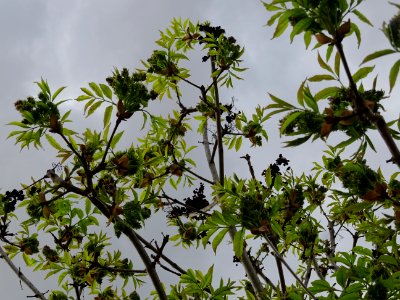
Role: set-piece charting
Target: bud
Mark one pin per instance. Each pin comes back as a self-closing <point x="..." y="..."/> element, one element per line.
<point x="343" y="30"/>
<point x="323" y="39"/>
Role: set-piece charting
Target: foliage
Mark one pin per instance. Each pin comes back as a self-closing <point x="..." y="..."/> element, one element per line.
<point x="269" y="216"/>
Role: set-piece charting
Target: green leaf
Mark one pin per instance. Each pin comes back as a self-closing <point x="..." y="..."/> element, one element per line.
<point x="273" y="18"/>
<point x="53" y="142"/>
<point x="291" y="117"/>
<point x="218" y="238"/>
<point x="275" y="226"/>
<point x="354" y="287"/>
<point x="87" y="92"/>
<point x="307" y="38"/>
<point x="238" y="243"/>
<point x="83" y="98"/>
<point x="341" y="276"/>
<point x="362" y="17"/>
<point x="281" y="26"/>
<point x="106" y="90"/>
<point x="116" y="139"/>
<point x="298" y="141"/>
<point x="93" y="108"/>
<point x="377" y="54"/>
<point x="320" y="285"/>
<point x="88" y="206"/>
<point x="271" y="7"/>
<point x="280" y="102"/>
<point x="394" y="72"/>
<point x="300" y="92"/>
<point x="96" y="89"/>
<point x="107" y="115"/>
<point x="326" y="92"/>
<point x="28" y="259"/>
<point x="387" y="259"/>
<point x="323" y="64"/>
<point x="238" y="143"/>
<point x="362" y="73"/>
<point x="354" y="28"/>
<point x="19" y="124"/>
<point x="337" y="64"/>
<point x="362" y="251"/>
<point x="318" y="78"/>
<point x="58" y="92"/>
<point x="300" y="26"/>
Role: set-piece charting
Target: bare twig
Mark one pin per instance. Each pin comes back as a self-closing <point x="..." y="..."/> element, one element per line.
<point x="21" y="276"/>
<point x="279" y="256"/>
<point x="164" y="257"/>
<point x="160" y="250"/>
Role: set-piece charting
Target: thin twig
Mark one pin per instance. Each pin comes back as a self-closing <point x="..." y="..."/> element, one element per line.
<point x="279" y="256"/>
<point x="164" y="257"/>
<point x="21" y="276"/>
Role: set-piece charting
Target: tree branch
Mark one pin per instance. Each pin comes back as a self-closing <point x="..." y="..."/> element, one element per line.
<point x="365" y="112"/>
<point x="21" y="276"/>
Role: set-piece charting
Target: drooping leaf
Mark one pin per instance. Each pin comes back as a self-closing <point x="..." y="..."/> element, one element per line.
<point x="377" y="54"/>
<point x="107" y="115"/>
<point x="323" y="64"/>
<point x="218" y="238"/>
<point x="291" y="118"/>
<point x="362" y="17"/>
<point x="238" y="243"/>
<point x="362" y="73"/>
<point x="52" y="141"/>
<point x="394" y="72"/>
<point x="326" y="92"/>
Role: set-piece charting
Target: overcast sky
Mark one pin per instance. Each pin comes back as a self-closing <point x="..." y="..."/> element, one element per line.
<point x="74" y="42"/>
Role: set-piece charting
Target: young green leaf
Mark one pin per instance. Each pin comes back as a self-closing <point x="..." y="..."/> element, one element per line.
<point x="394" y="72"/>
<point x="96" y="89"/>
<point x="238" y="243"/>
<point x="218" y="238"/>
<point x="107" y="115"/>
<point x="362" y="17"/>
<point x="362" y="73"/>
<point x="53" y="142"/>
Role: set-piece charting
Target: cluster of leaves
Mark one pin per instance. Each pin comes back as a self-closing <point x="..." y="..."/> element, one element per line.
<point x="339" y="116"/>
<point x="39" y="115"/>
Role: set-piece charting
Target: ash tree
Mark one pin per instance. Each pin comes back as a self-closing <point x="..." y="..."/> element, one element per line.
<point x="268" y="217"/>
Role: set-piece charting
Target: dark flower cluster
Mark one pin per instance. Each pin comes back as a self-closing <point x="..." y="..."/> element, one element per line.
<point x="193" y="204"/>
<point x="275" y="167"/>
<point x="10" y="199"/>
<point x="230" y="117"/>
